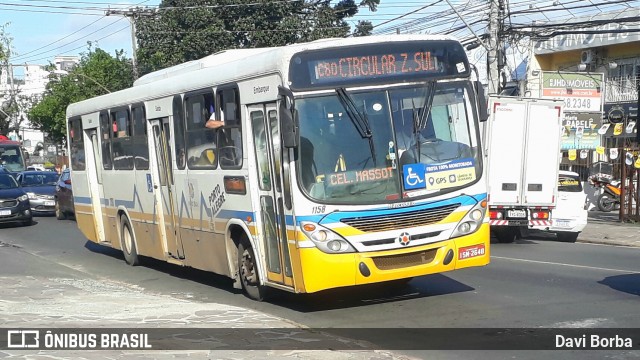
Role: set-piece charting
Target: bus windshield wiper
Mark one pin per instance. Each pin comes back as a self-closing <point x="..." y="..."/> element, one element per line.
<point x="360" y="119"/>
<point x="420" y="121"/>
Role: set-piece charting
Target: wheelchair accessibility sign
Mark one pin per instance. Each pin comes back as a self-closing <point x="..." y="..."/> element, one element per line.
<point x="414" y="176"/>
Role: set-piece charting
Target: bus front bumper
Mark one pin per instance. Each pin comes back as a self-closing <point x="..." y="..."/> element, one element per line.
<point x="322" y="271"/>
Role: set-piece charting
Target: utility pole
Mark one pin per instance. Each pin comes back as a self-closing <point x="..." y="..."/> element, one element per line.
<point x="133" y="14"/>
<point x="493" y="73"/>
<point x="12" y="101"/>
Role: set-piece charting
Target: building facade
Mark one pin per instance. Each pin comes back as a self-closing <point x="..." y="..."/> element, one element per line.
<point x="29" y="81"/>
<point x="596" y="71"/>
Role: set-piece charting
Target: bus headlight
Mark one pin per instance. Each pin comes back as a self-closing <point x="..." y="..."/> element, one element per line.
<point x="325" y="239"/>
<point x="471" y="221"/>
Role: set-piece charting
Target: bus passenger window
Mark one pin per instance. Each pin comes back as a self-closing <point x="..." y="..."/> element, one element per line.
<point x="106" y="129"/>
<point x="77" y="144"/>
<point x="122" y="145"/>
<point x="230" y="136"/>
<point x="178" y="126"/>
<point x="201" y="142"/>
<point x="140" y="147"/>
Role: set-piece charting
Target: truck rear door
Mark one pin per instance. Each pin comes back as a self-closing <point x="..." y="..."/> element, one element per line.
<point x="506" y="146"/>
<point x="542" y="154"/>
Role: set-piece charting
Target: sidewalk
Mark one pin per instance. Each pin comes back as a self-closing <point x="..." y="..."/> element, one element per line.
<point x="40" y="294"/>
<point x="606" y="229"/>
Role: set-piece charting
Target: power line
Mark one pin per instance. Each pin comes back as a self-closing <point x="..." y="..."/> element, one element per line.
<point x="21" y="57"/>
<point x="80" y="47"/>
<point x="40" y="48"/>
<point x="409" y="13"/>
<point x="29" y="58"/>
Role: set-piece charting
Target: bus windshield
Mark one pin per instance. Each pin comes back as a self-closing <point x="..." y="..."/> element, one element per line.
<point x="366" y="146"/>
<point x="11" y="158"/>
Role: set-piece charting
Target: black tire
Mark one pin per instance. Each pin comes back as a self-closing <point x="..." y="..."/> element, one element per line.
<point x="28" y="222"/>
<point x="127" y="242"/>
<point x="60" y="215"/>
<point x="606" y="202"/>
<point x="568" y="236"/>
<point x="248" y="272"/>
<point x="506" y="236"/>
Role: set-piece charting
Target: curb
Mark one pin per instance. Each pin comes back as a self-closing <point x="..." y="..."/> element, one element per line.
<point x="607" y="242"/>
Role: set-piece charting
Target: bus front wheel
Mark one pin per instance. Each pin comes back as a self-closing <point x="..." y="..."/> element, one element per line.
<point x="127" y="243"/>
<point x="248" y="272"/>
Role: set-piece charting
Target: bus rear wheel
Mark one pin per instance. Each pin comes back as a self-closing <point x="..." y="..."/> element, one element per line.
<point x="127" y="243"/>
<point x="248" y="272"/>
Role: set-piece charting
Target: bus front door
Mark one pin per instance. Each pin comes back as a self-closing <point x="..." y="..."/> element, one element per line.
<point x="163" y="181"/>
<point x="272" y="225"/>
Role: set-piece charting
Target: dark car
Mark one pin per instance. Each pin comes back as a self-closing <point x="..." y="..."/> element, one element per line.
<point x="64" y="196"/>
<point x="40" y="186"/>
<point x="14" y="201"/>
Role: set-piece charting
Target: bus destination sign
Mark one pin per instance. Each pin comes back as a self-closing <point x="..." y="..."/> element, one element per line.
<point x="375" y="65"/>
<point x="383" y="62"/>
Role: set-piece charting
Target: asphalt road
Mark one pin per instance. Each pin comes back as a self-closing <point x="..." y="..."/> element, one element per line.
<point x="532" y="283"/>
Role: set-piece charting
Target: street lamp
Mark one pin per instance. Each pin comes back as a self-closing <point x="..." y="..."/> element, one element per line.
<point x="64" y="72"/>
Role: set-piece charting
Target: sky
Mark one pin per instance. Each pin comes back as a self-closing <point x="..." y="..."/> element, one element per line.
<point x="42" y="29"/>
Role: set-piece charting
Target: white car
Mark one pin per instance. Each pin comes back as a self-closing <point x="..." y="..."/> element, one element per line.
<point x="569" y="217"/>
<point x="36" y="167"/>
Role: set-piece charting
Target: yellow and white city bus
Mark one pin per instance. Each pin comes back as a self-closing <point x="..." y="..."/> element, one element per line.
<point x="341" y="162"/>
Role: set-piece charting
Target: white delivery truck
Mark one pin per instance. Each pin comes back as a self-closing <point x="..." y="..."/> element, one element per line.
<point x="522" y="154"/>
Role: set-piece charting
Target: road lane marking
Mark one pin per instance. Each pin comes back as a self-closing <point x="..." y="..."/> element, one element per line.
<point x="569" y="265"/>
<point x="585" y="323"/>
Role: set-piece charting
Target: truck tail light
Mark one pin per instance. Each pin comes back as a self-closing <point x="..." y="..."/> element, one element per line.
<point x="495" y="215"/>
<point x="540" y="215"/>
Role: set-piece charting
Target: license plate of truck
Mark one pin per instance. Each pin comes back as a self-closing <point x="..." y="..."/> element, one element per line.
<point x="517" y="214"/>
<point x="563" y="223"/>
<point x="518" y="222"/>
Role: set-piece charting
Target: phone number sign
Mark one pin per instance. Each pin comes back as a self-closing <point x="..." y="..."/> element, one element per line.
<point x="581" y="92"/>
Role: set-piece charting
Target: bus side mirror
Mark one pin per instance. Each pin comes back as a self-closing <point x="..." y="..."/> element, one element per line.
<point x="288" y="119"/>
<point x="483" y="113"/>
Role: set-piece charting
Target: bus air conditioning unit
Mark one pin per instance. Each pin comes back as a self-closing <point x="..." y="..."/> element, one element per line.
<point x="587" y="57"/>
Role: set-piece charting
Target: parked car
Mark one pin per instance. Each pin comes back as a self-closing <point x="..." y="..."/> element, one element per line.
<point x="14" y="202"/>
<point x="40" y="186"/>
<point x="64" y="196"/>
<point x="570" y="215"/>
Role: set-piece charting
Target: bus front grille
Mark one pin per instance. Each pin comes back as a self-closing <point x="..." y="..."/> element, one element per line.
<point x="392" y="262"/>
<point x="402" y="220"/>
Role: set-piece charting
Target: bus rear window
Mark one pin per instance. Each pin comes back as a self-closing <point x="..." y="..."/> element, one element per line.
<point x="569" y="184"/>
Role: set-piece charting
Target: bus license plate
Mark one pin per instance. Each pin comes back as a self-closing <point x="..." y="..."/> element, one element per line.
<point x="5" y="212"/>
<point x="471" y="251"/>
<point x="517" y="214"/>
<point x="49" y="203"/>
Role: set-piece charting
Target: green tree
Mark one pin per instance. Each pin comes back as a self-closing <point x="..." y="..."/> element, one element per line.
<point x="97" y="73"/>
<point x="185" y="30"/>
